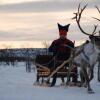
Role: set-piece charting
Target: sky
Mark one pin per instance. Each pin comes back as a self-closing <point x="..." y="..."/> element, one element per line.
<point x="30" y="23"/>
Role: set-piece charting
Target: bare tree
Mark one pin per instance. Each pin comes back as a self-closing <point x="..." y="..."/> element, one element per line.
<point x="46" y="46"/>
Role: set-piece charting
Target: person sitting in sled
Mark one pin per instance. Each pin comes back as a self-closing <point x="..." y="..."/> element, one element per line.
<point x="61" y="49"/>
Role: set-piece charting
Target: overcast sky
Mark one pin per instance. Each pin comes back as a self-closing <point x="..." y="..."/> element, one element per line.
<point x="36" y="20"/>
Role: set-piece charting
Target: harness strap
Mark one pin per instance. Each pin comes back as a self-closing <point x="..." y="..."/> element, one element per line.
<point x="68" y="46"/>
<point x="87" y="58"/>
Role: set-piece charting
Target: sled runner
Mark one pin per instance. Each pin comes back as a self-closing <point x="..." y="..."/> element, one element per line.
<point x="47" y="66"/>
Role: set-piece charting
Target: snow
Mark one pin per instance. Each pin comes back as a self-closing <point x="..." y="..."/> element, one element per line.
<point x="17" y="84"/>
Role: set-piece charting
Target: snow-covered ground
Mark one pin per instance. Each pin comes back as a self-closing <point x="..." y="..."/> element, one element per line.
<point x="16" y="84"/>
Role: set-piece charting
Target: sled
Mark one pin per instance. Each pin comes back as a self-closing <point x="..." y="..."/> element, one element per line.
<point x="45" y="65"/>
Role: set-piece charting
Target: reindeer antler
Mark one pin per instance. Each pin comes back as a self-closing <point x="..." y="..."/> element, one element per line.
<point x="95" y="27"/>
<point x="78" y="17"/>
<point x="99" y="13"/>
<point x="97" y="8"/>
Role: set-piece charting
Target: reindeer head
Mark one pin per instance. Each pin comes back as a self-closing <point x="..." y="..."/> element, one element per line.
<point x="94" y="39"/>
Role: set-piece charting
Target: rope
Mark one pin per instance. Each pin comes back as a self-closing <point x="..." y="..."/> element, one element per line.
<point x="60" y="66"/>
<point x="69" y="46"/>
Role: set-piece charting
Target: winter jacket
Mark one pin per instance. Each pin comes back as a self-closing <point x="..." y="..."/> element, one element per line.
<point x="61" y="48"/>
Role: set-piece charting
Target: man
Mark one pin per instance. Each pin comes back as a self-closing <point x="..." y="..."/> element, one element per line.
<point x="61" y="49"/>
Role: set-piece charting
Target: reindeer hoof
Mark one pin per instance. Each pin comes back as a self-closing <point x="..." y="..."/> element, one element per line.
<point x="91" y="92"/>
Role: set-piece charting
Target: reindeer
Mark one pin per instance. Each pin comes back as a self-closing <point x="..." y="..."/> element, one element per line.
<point x="99" y="43"/>
<point x="87" y="57"/>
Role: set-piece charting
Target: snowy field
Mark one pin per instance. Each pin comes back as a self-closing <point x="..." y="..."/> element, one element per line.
<point x="16" y="84"/>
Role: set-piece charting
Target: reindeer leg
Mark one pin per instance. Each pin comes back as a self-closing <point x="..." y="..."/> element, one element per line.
<point x="82" y="78"/>
<point x="88" y="81"/>
<point x="91" y="73"/>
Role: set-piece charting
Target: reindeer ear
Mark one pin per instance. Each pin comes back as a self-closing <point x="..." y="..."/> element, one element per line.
<point x="87" y="41"/>
<point x="91" y="37"/>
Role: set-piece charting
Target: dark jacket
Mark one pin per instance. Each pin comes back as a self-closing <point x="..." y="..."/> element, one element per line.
<point x="61" y="48"/>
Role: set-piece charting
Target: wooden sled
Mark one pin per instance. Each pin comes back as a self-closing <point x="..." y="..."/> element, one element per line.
<point x="45" y="65"/>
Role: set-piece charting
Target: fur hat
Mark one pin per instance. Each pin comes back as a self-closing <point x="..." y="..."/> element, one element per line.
<point x="63" y="29"/>
<point x="66" y="27"/>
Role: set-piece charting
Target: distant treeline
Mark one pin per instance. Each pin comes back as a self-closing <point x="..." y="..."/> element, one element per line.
<point x="20" y="54"/>
<point x="27" y="55"/>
